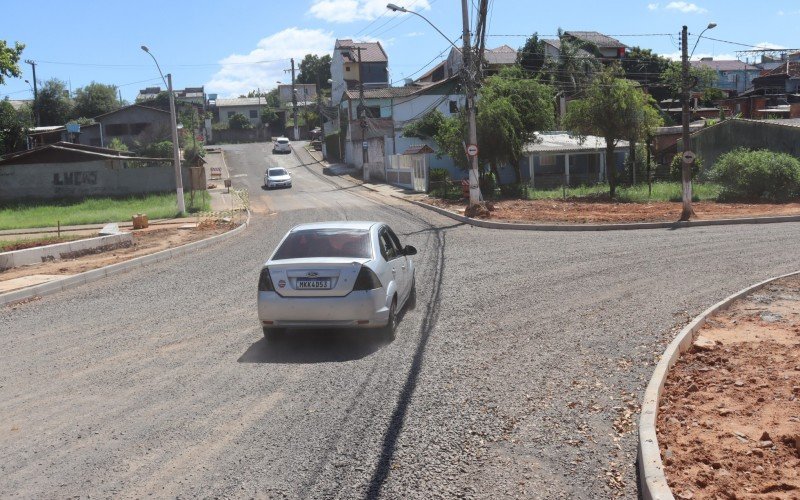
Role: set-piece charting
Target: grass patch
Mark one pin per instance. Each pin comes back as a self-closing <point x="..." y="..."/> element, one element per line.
<point x="662" y="191"/>
<point x="22" y="215"/>
<point x="22" y="243"/>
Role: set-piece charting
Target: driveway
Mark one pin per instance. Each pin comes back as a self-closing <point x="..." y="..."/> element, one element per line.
<point x="517" y="375"/>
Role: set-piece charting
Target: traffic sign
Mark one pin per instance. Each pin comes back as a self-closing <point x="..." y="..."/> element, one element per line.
<point x="689" y="156"/>
<point x="472" y="150"/>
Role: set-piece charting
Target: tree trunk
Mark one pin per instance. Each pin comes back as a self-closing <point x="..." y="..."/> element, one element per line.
<point x="611" y="168"/>
<point x="495" y="172"/>
<point x="517" y="173"/>
<point x="632" y="155"/>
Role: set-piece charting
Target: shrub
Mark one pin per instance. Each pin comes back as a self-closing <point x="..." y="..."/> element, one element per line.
<point x="239" y="122"/>
<point x="488" y="185"/>
<point x="513" y="190"/>
<point x="757" y="175"/>
<point x="161" y="149"/>
<point x="676" y="168"/>
<point x="439" y="181"/>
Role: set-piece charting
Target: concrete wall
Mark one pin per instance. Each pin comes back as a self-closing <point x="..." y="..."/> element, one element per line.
<point x="82" y="179"/>
<point x="712" y="142"/>
<point x="260" y="134"/>
<point x="68" y="250"/>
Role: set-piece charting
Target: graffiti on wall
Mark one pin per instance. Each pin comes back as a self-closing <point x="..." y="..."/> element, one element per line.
<point x="75" y="178"/>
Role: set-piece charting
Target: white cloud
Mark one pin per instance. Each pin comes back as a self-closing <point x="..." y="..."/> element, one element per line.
<point x="686" y="7"/>
<point x="414" y="34"/>
<point x="769" y="45"/>
<point x="652" y="6"/>
<point x="676" y="56"/>
<point x="264" y="65"/>
<point x="347" y="11"/>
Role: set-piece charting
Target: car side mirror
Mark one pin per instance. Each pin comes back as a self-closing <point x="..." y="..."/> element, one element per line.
<point x="409" y="250"/>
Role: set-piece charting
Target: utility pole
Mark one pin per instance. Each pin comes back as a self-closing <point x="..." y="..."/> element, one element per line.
<point x="120" y="96"/>
<point x="176" y="155"/>
<point x="35" y="92"/>
<point x="362" y="112"/>
<point x="686" y="171"/>
<point x="321" y="119"/>
<point x="294" y="105"/>
<point x="472" y="128"/>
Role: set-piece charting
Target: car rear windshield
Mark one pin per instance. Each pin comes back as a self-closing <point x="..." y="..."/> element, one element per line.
<point x="277" y="171"/>
<point x="311" y="243"/>
<point x="283" y="141"/>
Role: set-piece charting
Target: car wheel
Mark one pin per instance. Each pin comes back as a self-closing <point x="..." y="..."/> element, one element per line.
<point x="389" y="331"/>
<point x="273" y="334"/>
<point x="411" y="303"/>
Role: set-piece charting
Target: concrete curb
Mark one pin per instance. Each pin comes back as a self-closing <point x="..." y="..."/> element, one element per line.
<point x="652" y="481"/>
<point x="601" y="227"/>
<point x="37" y="255"/>
<point x="114" y="269"/>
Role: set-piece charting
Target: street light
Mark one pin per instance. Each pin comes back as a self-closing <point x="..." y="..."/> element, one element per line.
<point x="176" y="155"/>
<point x="710" y="26"/>
<point x="471" y="148"/>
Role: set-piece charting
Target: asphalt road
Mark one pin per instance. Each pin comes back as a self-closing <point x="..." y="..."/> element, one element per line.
<point x="514" y="376"/>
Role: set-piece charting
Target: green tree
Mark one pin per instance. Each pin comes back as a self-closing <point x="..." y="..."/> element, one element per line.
<point x="95" y="99"/>
<point x="511" y="109"/>
<point x="426" y="127"/>
<point x="239" y="122"/>
<point x="13" y="129"/>
<point x="162" y="149"/>
<point x="54" y="103"/>
<point x="117" y="144"/>
<point x="315" y="69"/>
<point x="700" y="78"/>
<point x="9" y="60"/>
<point x="644" y="66"/>
<point x="575" y="67"/>
<point x="614" y="108"/>
<point x="531" y="56"/>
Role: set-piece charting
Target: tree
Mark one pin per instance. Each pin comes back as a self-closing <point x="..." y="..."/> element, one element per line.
<point x="9" y="60"/>
<point x="53" y="103"/>
<point x="239" y="122"/>
<point x="13" y="129"/>
<point x="644" y="66"/>
<point x="614" y="108"/>
<point x="117" y="144"/>
<point x="315" y="69"/>
<point x="426" y="127"/>
<point x="531" y="56"/>
<point x="511" y="109"/>
<point x="700" y="78"/>
<point x="95" y="99"/>
<point x="576" y="64"/>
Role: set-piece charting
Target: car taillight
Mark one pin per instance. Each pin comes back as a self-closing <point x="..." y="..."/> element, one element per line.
<point x="265" y="282"/>
<point x="366" y="280"/>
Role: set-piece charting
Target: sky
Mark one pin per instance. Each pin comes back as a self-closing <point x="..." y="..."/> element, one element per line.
<point x="236" y="46"/>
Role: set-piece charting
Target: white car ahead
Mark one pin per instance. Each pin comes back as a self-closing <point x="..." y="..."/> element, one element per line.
<point x="282" y="145"/>
<point x="277" y="177"/>
<point x="336" y="275"/>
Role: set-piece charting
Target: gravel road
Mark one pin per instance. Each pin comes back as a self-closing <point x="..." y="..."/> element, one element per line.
<point x="518" y="374"/>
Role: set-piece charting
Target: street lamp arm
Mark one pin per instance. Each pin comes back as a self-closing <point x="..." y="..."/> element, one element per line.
<point x="396" y="8"/>
<point x="144" y="48"/>
<point x="710" y="26"/>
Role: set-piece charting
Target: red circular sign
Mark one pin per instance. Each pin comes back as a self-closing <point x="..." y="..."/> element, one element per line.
<point x="472" y="150"/>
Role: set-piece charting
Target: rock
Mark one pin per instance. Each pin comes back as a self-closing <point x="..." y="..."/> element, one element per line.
<point x="723" y="412"/>
<point x="692" y="388"/>
<point x="758" y="453"/>
<point x="703" y="344"/>
<point x="110" y="229"/>
<point x="685" y="495"/>
<point x="765" y="444"/>
<point x="765" y="437"/>
<point x="739" y="383"/>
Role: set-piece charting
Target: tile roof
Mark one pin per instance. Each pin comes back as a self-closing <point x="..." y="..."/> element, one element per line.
<point x="384" y="93"/>
<point x="501" y="55"/>
<point x="557" y="45"/>
<point x="241" y="101"/>
<point x="791" y="69"/>
<point x="371" y="51"/>
<point x="724" y="65"/>
<point x="599" y="39"/>
<point x="563" y="142"/>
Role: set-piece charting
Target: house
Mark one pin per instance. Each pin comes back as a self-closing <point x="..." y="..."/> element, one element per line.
<point x="733" y="76"/>
<point x="552" y="50"/>
<point x="250" y="107"/>
<point x="783" y="79"/>
<point x="557" y="158"/>
<point x="779" y="135"/>
<point x="665" y="141"/>
<point x="357" y="63"/>
<point x="494" y="60"/>
<point x="776" y="93"/>
<point x="129" y="124"/>
<point x="194" y="95"/>
<point x="67" y="170"/>
<point x="608" y="47"/>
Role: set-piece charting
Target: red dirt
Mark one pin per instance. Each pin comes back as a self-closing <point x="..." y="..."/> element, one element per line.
<point x="580" y="212"/>
<point x="729" y="419"/>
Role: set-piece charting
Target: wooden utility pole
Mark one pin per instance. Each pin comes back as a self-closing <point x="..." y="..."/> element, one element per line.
<point x="472" y="127"/>
<point x="686" y="171"/>
<point x="294" y="106"/>
<point x="35" y="92"/>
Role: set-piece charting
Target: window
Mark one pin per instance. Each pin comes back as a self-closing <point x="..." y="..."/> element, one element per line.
<point x="547" y="160"/>
<point x="388" y="250"/>
<point x="347" y="68"/>
<point x="453" y="107"/>
<point x="231" y="113"/>
<point x="253" y="113"/>
<point x="138" y="128"/>
<point x="117" y="129"/>
<point x="313" y="243"/>
<point x="395" y="241"/>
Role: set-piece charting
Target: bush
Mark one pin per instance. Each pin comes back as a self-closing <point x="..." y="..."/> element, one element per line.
<point x="488" y="185"/>
<point x="161" y="149"/>
<point x="439" y="181"/>
<point x="757" y="175"/>
<point x="676" y="168"/>
<point x="239" y="122"/>
<point x="513" y="190"/>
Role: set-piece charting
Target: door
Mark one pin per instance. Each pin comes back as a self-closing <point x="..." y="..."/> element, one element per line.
<point x="420" y="173"/>
<point x="403" y="263"/>
<point x="397" y="264"/>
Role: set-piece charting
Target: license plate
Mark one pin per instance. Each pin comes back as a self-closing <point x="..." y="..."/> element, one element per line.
<point x="318" y="284"/>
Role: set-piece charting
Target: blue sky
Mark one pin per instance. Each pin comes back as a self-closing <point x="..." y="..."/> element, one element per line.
<point x="232" y="47"/>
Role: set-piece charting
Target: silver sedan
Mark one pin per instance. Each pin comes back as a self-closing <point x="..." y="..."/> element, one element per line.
<point x="337" y="275"/>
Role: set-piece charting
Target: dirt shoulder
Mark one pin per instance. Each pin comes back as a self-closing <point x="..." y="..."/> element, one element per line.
<point x="145" y="241"/>
<point x="729" y="419"/>
<point x="582" y="212"/>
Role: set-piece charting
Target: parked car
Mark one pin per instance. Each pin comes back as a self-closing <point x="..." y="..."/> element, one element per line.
<point x="337" y="275"/>
<point x="282" y="145"/>
<point x="277" y="177"/>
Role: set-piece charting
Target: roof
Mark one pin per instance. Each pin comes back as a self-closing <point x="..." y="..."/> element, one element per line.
<point x="241" y="101"/>
<point x="65" y="152"/>
<point x="599" y="39"/>
<point x="563" y="142"/>
<point x="344" y="224"/>
<point x="501" y="55"/>
<point x="419" y="149"/>
<point x="394" y="92"/>
<point x="372" y="51"/>
<point x="789" y="68"/>
<point x="556" y="43"/>
<point x="787" y="122"/>
<point x="724" y="65"/>
<point x="126" y="108"/>
<point x="18" y="103"/>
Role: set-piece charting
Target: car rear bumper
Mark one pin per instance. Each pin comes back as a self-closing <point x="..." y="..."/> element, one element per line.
<point x="362" y="309"/>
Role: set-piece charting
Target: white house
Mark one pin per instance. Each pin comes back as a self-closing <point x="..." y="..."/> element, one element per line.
<point x="250" y="107"/>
